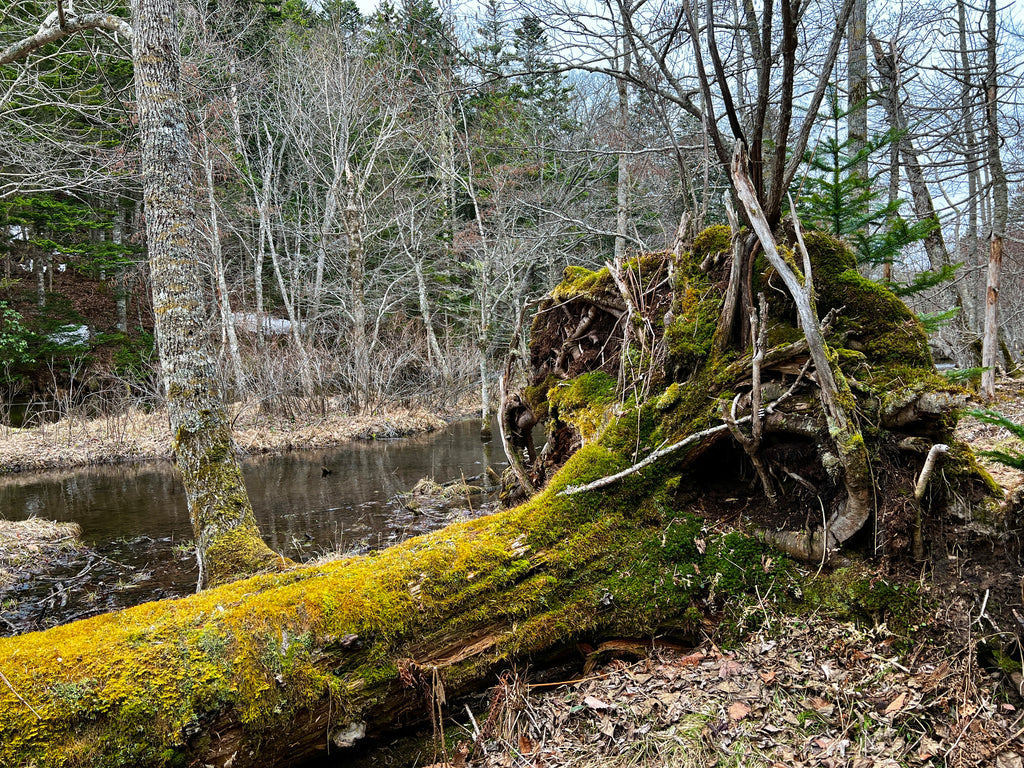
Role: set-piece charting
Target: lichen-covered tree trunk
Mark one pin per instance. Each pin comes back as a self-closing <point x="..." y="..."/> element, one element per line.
<point x="228" y="542"/>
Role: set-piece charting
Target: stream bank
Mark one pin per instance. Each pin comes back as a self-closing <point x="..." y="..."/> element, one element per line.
<point x="135" y="541"/>
<point x="139" y="435"/>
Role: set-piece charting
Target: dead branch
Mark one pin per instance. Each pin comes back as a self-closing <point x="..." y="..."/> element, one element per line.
<point x="604" y="482"/>
<point x="849" y="518"/>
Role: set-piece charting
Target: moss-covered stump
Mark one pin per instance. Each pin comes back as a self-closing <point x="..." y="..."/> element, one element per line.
<point x="790" y="474"/>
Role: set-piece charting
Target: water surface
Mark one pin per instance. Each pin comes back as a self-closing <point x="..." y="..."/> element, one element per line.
<point x="307" y="503"/>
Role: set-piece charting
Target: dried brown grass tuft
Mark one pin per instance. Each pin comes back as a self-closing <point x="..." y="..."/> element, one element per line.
<point x="23" y="540"/>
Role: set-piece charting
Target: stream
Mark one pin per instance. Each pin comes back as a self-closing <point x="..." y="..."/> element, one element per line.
<point x="308" y="504"/>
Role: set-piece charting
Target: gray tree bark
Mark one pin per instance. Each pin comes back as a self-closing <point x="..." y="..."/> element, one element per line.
<point x="622" y="182"/>
<point x="228" y="542"/>
<point x="971" y="155"/>
<point x="1000" y="212"/>
<point x="857" y="75"/>
<point x="223" y="298"/>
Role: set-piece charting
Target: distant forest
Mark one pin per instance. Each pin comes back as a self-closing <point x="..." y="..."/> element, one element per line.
<point x="385" y="196"/>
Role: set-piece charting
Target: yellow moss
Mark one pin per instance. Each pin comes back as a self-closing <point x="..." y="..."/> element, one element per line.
<point x="579" y="281"/>
<point x="584" y="403"/>
<point x="714" y="239"/>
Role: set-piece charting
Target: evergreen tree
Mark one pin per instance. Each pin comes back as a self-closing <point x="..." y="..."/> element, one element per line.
<point x="836" y="198"/>
<point x="543" y="93"/>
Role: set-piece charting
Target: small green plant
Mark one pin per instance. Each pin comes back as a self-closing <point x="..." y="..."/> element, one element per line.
<point x="1012" y="457"/>
<point x="964" y="376"/>
<point x="13" y="337"/>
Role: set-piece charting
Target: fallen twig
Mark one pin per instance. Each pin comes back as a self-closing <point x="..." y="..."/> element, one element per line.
<point x="8" y="683"/>
<point x="651" y="458"/>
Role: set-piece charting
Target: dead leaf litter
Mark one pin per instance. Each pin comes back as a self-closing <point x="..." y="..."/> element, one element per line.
<point x="807" y="693"/>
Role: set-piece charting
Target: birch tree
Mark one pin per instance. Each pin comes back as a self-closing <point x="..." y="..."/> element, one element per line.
<point x="228" y="542"/>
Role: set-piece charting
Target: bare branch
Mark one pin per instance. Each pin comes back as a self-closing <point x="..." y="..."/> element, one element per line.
<point x="72" y="25"/>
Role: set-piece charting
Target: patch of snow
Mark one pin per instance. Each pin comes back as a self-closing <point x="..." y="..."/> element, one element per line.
<point x="70" y="335"/>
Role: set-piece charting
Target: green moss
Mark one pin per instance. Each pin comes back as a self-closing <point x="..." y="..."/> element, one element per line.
<point x="872" y="316"/>
<point x="695" y="315"/>
<point x="830" y="257"/>
<point x="536" y="396"/>
<point x="740" y="564"/>
<point x="713" y="240"/>
<point x="669" y="398"/>
<point x="579" y="281"/>
<point x="648" y="266"/>
<point x="128" y="687"/>
<point x="583" y="402"/>
<point x="780" y="333"/>
<point x="961" y="463"/>
<point x="239" y="551"/>
<point x="856" y="593"/>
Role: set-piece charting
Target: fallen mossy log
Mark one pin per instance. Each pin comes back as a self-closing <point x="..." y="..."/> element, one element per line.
<point x="285" y="666"/>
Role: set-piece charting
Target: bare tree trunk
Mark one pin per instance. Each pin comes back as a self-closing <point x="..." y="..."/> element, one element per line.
<point x="971" y="155"/>
<point x="40" y="263"/>
<point x="1000" y="212"/>
<point x="482" y="344"/>
<point x="834" y="390"/>
<point x="342" y="173"/>
<point x="223" y="299"/>
<point x="120" y="276"/>
<point x="264" y="236"/>
<point x="857" y="72"/>
<point x="228" y="542"/>
<point x="304" y="365"/>
<point x="622" y="182"/>
<point x="433" y="347"/>
<point x="357" y="289"/>
<point x="934" y="243"/>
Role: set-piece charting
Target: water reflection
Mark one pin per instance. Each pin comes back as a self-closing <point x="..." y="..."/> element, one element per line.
<point x="299" y="507"/>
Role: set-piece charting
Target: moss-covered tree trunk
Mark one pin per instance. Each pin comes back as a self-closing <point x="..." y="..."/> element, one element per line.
<point x="286" y="666"/>
<point x="228" y="542"/>
<point x="281" y="667"/>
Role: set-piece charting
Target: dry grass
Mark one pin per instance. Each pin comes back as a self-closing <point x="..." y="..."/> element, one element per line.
<point x="25" y="540"/>
<point x="137" y="435"/>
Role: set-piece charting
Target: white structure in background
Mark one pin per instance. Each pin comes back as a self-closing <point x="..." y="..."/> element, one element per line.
<point x="70" y="336"/>
<point x="263" y="323"/>
<point x="18" y="232"/>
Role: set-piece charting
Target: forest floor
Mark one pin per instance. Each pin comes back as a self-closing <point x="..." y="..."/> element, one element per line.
<point x="795" y="692"/>
<point x="137" y="435"/>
